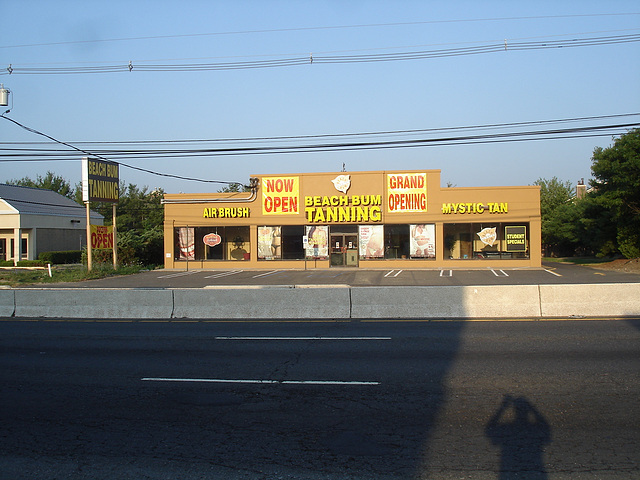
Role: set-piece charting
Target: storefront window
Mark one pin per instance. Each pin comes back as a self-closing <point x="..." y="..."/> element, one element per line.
<point x="212" y="243"/>
<point x="276" y="243"/>
<point x="486" y="240"/>
<point x="396" y="241"/>
<point x="371" y="243"/>
<point x="317" y="241"/>
<point x="423" y="241"/>
<point x="269" y="243"/>
<point x="292" y="247"/>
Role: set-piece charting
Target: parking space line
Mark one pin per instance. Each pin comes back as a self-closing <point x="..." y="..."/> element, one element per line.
<point x="390" y="272"/>
<point x="225" y="274"/>
<point x="265" y="274"/>
<point x="179" y="274"/>
<point x="552" y="273"/>
<point x="449" y="275"/>
<point x="504" y="274"/>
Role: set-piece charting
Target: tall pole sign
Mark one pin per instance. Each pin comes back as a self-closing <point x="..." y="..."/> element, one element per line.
<point x="100" y="183"/>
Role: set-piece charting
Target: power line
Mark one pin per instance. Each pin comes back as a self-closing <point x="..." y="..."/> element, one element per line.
<point x="351" y="134"/>
<point x="495" y="47"/>
<point x="301" y="29"/>
<point x="553" y="133"/>
<point x="179" y="177"/>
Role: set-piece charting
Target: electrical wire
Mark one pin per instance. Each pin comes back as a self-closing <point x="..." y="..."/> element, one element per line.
<point x="179" y="177"/>
<point x="335" y="27"/>
<point x="341" y="135"/>
<point x="327" y="59"/>
<point x="462" y="139"/>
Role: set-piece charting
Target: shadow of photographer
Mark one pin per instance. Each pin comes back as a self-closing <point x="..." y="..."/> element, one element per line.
<point x="522" y="433"/>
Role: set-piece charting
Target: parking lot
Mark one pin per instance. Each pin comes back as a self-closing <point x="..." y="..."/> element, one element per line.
<point x="551" y="273"/>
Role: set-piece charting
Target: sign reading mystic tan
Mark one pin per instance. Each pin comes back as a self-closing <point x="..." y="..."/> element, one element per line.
<point x="406" y="192"/>
<point x="100" y="181"/>
<point x="280" y="195"/>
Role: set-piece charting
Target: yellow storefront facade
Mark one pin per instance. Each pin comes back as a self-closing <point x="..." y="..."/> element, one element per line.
<point x="382" y="219"/>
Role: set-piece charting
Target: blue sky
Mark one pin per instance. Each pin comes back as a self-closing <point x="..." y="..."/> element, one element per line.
<point x="317" y="99"/>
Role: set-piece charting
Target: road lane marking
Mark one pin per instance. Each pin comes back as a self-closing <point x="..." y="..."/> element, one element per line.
<point x="259" y="382"/>
<point x="302" y="338"/>
<point x="225" y="274"/>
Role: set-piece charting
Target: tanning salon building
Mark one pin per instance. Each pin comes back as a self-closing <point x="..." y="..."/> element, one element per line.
<point x="380" y="219"/>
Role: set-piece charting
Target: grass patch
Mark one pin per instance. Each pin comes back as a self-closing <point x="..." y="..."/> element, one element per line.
<point x="578" y="260"/>
<point x="64" y="273"/>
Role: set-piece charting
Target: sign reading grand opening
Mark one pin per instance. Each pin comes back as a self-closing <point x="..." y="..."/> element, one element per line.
<point x="407" y="192"/>
<point x="100" y="181"/>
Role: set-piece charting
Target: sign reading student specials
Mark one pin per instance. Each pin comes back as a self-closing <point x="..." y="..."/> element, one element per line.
<point x="100" y="181"/>
<point x="280" y="195"/>
<point x="516" y="238"/>
<point x="407" y="192"/>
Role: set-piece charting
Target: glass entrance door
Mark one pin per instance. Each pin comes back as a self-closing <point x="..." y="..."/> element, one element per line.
<point x="344" y="250"/>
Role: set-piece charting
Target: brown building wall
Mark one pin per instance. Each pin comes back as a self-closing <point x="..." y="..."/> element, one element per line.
<point x="292" y="202"/>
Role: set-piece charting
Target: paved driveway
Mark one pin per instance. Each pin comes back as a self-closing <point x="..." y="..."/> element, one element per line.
<point x="551" y="273"/>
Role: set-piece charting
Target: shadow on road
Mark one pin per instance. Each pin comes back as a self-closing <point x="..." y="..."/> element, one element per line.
<point x="522" y="433"/>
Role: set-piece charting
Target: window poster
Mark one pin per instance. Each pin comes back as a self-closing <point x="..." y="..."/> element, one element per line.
<point x="423" y="241"/>
<point x="186" y="243"/>
<point x="516" y="238"/>
<point x="269" y="243"/>
<point x="318" y="241"/>
<point x="371" y="241"/>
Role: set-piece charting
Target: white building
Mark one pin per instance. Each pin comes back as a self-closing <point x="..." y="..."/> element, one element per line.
<point x="35" y="220"/>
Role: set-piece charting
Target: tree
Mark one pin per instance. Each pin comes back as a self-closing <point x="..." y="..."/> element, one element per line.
<point x="140" y="224"/>
<point x="234" y="188"/>
<point x="558" y="215"/>
<point x="616" y="172"/>
<point x="50" y="181"/>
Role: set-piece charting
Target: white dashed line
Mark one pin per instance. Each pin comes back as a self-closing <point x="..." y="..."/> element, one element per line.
<point x="259" y="382"/>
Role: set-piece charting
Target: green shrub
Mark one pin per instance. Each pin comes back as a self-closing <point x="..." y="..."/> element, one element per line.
<point x="31" y="263"/>
<point x="58" y="258"/>
<point x="6" y="263"/>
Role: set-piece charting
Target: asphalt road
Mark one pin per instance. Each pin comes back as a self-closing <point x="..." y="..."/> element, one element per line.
<point x="552" y="273"/>
<point x="319" y="400"/>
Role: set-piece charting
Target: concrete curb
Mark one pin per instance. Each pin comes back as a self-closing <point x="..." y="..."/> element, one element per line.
<point x="506" y="301"/>
<point x="7" y="303"/>
<point x="93" y="303"/>
<point x="592" y="300"/>
<point x="327" y="302"/>
<point x="272" y="302"/>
